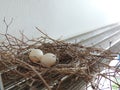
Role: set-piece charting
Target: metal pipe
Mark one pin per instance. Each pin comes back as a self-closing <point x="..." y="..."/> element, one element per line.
<point x="1" y="83"/>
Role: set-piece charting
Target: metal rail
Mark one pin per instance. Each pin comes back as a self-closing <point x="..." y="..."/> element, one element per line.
<point x="87" y="35"/>
<point x="1" y="83"/>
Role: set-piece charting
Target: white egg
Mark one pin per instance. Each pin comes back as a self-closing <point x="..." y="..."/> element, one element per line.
<point x="48" y="59"/>
<point x="35" y="55"/>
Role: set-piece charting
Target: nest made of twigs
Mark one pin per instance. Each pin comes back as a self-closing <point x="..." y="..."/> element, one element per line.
<point x="74" y="60"/>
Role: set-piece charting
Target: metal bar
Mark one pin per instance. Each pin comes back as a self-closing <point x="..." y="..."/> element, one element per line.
<point x="87" y="35"/>
<point x="9" y="69"/>
<point x="1" y="83"/>
<point x="18" y="83"/>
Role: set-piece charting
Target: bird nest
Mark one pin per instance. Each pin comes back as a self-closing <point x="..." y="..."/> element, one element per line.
<point x="74" y="62"/>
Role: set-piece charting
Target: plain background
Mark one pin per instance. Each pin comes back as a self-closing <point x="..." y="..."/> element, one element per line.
<point x="57" y="18"/>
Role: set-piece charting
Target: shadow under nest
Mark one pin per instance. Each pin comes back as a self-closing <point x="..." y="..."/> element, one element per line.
<point x="74" y="63"/>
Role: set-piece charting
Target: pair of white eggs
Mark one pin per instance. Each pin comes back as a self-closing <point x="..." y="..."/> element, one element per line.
<point x="47" y="60"/>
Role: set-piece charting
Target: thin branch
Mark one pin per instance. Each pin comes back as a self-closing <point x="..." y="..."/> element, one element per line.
<point x="109" y="79"/>
<point x="39" y="75"/>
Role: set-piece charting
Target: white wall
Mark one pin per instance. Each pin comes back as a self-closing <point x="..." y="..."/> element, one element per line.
<point x="55" y="17"/>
